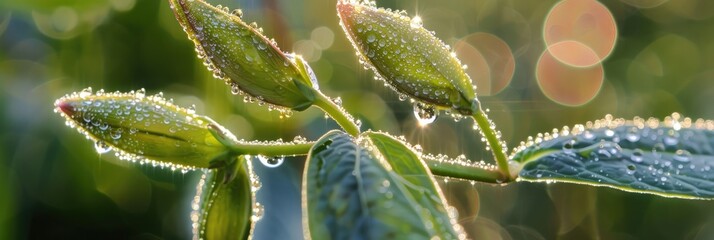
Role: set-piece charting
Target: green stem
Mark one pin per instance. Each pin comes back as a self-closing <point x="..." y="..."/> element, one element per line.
<point x="337" y="113"/>
<point x="490" y="134"/>
<point x="271" y="149"/>
<point x="466" y="171"/>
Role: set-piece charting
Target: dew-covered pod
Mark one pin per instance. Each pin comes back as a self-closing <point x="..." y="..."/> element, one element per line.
<point x="244" y="58"/>
<point x="144" y="129"/>
<point x="225" y="206"/>
<point x="407" y="56"/>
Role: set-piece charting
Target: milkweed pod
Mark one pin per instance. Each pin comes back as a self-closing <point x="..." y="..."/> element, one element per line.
<point x="145" y="129"/>
<point x="408" y="57"/>
<point x="243" y="57"/>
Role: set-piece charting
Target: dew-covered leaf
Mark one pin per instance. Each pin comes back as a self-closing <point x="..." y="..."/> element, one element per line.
<point x="145" y="129"/>
<point x="671" y="158"/>
<point x="407" y="56"/>
<point x="242" y="56"/>
<point x="352" y="191"/>
<point x="420" y="182"/>
<point x="224" y="206"/>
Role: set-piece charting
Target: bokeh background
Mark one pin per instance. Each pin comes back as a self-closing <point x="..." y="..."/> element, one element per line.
<point x="538" y="65"/>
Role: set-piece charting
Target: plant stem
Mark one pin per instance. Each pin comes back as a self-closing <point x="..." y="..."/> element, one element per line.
<point x="484" y="124"/>
<point x="337" y="113"/>
<point x="488" y="174"/>
<point x="272" y="149"/>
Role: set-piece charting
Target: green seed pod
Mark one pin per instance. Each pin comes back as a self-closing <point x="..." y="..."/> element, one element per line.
<point x="243" y="57"/>
<point x="408" y="57"/>
<point x="144" y="129"/>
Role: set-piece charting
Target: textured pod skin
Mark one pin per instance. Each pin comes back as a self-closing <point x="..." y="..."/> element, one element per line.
<point x="146" y="129"/>
<point x="240" y="55"/>
<point x="408" y="57"/>
<point x="224" y="205"/>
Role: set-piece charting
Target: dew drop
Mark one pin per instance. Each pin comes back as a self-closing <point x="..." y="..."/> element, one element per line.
<point x="102" y="147"/>
<point x="416" y="22"/>
<point x="672" y="138"/>
<point x="271" y="162"/>
<point x="657" y="150"/>
<point x="235" y="89"/>
<point x="682" y="155"/>
<point x="371" y="38"/>
<point x="631" y="169"/>
<point x="632" y="135"/>
<point x="237" y="13"/>
<point x="588" y="135"/>
<point x="637" y="155"/>
<point x="569" y="146"/>
<point x="85" y="92"/>
<point x="424" y="113"/>
<point x="140" y="93"/>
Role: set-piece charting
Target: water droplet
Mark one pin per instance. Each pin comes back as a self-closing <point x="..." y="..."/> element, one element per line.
<point x="672" y="138"/>
<point x="632" y="135"/>
<point x="425" y="114"/>
<point x="102" y="147"/>
<point x="637" y="155"/>
<point x="237" y="13"/>
<point x="85" y="92"/>
<point x="116" y="134"/>
<point x="682" y="155"/>
<point x="371" y="38"/>
<point x="657" y="150"/>
<point x="235" y="89"/>
<point x="140" y="93"/>
<point x="568" y="146"/>
<point x="588" y="135"/>
<point x="271" y="162"/>
<point x="416" y="22"/>
<point x="631" y="169"/>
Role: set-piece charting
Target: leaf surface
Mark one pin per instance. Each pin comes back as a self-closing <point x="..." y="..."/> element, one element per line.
<point x="672" y="158"/>
<point x="351" y="190"/>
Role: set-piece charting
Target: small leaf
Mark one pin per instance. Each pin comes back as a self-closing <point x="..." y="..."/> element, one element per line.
<point x="420" y="182"/>
<point x="351" y="190"/>
<point x="242" y="56"/>
<point x="407" y="56"/>
<point x="671" y="158"/>
<point x="141" y="128"/>
<point x="224" y="205"/>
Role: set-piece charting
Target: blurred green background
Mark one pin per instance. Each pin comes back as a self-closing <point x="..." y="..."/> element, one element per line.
<point x="54" y="185"/>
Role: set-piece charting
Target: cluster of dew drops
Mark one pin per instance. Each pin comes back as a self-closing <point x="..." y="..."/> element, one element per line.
<point x="667" y="135"/>
<point x="424" y="113"/>
<point x="133" y="110"/>
<point x="235" y="88"/>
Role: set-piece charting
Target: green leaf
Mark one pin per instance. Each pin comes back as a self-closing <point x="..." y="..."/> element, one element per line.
<point x="353" y="190"/>
<point x="408" y="57"/>
<point x="672" y="158"/>
<point x="242" y="56"/>
<point x="147" y="129"/>
<point x="224" y="206"/>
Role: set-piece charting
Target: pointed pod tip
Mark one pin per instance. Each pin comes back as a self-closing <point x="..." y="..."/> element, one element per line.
<point x="65" y="106"/>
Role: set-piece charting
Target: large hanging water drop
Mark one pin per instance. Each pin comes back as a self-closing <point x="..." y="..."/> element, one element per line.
<point x="271" y="162"/>
<point x="424" y="113"/>
<point x="102" y="147"/>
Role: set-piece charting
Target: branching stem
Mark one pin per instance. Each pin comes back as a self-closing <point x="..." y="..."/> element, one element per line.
<point x="337" y="113"/>
<point x="272" y="149"/>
